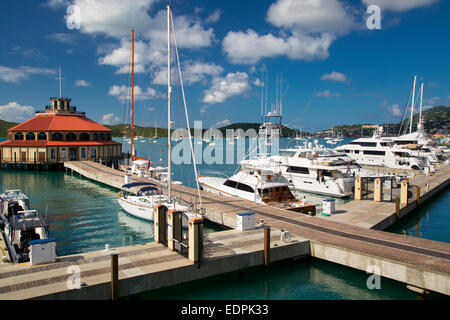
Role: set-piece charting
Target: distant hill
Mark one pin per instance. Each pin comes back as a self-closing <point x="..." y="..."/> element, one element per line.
<point x="436" y="120"/>
<point x="4" y="126"/>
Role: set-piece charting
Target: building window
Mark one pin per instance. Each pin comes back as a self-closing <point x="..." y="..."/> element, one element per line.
<point x="42" y="136"/>
<point x="18" y="136"/>
<point x="93" y="153"/>
<point x="30" y="136"/>
<point x="107" y="137"/>
<point x="71" y="136"/>
<point x="95" y="136"/>
<point x="52" y="153"/>
<point x="84" y="136"/>
<point x="102" y="136"/>
<point x="63" y="153"/>
<point x="57" y="136"/>
<point x="83" y="152"/>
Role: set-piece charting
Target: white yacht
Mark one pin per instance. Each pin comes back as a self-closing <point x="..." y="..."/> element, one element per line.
<point x="311" y="170"/>
<point x="139" y="198"/>
<point x="381" y="151"/>
<point x="257" y="186"/>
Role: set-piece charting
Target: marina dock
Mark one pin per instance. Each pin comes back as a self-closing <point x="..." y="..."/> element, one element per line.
<point x="348" y="238"/>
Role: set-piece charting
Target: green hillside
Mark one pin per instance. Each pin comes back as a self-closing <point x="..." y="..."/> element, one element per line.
<point x="4" y="126"/>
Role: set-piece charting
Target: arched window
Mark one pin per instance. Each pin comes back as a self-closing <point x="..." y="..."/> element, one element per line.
<point x="42" y="136"/>
<point x="102" y="136"/>
<point x="71" y="136"/>
<point x="57" y="136"/>
<point x="107" y="137"/>
<point x="18" y="136"/>
<point x="30" y="136"/>
<point x="84" y="136"/>
<point x="95" y="136"/>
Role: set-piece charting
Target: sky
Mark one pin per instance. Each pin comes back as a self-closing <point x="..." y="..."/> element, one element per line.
<point x="336" y="61"/>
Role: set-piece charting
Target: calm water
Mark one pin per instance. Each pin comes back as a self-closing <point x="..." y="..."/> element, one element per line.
<point x="84" y="216"/>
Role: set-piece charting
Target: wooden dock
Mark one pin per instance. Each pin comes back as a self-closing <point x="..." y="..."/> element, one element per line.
<point x="346" y="238"/>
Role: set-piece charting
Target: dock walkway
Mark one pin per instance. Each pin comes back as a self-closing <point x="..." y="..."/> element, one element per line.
<point x="353" y="242"/>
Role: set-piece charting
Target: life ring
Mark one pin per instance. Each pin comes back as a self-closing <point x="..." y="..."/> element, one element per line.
<point x="285" y="236"/>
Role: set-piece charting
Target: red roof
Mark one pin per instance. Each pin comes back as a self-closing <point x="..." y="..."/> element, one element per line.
<point x="44" y="143"/>
<point x="53" y="122"/>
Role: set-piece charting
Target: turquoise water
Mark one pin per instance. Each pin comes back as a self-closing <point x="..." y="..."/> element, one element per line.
<point x="84" y="216"/>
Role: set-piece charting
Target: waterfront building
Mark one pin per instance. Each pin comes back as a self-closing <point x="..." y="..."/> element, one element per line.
<point x="59" y="133"/>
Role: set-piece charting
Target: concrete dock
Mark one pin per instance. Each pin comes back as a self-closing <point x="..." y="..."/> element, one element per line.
<point x="348" y="238"/>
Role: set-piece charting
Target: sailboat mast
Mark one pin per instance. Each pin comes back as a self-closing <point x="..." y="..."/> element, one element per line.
<point x="169" y="90"/>
<point x="412" y="105"/>
<point x="421" y="102"/>
<point x="132" y="93"/>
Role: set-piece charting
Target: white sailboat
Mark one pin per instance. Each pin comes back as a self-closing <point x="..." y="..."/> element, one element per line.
<point x="141" y="203"/>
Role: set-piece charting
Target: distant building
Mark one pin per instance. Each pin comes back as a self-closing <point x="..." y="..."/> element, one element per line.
<point x="59" y="134"/>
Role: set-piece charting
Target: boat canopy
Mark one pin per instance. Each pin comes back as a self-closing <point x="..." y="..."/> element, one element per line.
<point x="144" y="190"/>
<point x="137" y="184"/>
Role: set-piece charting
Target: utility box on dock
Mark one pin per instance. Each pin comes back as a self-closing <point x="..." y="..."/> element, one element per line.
<point x="245" y="221"/>
<point x="127" y="178"/>
<point x="328" y="207"/>
<point x="42" y="251"/>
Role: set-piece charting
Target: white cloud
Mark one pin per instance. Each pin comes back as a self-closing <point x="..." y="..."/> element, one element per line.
<point x="399" y="5"/>
<point x="311" y="16"/>
<point x="82" y="83"/>
<point x="214" y="17"/>
<point x="432" y="101"/>
<point x="222" y="123"/>
<point x="15" y="75"/>
<point x="223" y="88"/>
<point x="57" y="4"/>
<point x="328" y="94"/>
<point x="15" y="112"/>
<point x="123" y="93"/>
<point x="395" y="110"/>
<point x="65" y="38"/>
<point x="249" y="47"/>
<point x="197" y="71"/>
<point x="110" y="119"/>
<point x="204" y="110"/>
<point x="334" y="76"/>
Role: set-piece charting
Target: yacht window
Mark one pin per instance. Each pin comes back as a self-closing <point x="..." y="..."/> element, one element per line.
<point x="375" y="153"/>
<point x="237" y="185"/>
<point x="365" y="144"/>
<point x="326" y="173"/>
<point x="301" y="170"/>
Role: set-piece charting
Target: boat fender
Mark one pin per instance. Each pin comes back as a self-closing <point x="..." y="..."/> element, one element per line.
<point x="119" y="195"/>
<point x="286" y="236"/>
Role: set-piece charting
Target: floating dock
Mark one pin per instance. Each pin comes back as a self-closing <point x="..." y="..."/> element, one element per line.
<point x="348" y="238"/>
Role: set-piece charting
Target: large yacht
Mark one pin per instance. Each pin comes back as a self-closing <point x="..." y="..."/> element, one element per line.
<point x="382" y="151"/>
<point x="310" y="169"/>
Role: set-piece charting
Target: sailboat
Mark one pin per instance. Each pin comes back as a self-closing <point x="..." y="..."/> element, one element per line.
<point x="140" y="199"/>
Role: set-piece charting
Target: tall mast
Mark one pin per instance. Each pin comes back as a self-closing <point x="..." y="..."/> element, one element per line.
<point x="132" y="92"/>
<point x="412" y="105"/>
<point x="169" y="90"/>
<point x="421" y="102"/>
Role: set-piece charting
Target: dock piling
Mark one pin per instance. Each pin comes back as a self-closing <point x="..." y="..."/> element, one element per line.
<point x="397" y="208"/>
<point x="418" y="195"/>
<point x="114" y="276"/>
<point x="266" y="246"/>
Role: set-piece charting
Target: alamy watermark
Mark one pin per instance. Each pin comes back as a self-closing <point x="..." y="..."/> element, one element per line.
<point x="374" y="280"/>
<point x="374" y="20"/>
<point x="73" y="17"/>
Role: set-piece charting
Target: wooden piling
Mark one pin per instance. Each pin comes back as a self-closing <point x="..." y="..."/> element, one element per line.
<point x="397" y="208"/>
<point x="418" y="196"/>
<point x="114" y="276"/>
<point x="266" y="246"/>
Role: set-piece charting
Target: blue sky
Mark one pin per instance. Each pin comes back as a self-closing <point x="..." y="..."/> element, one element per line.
<point x="335" y="70"/>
